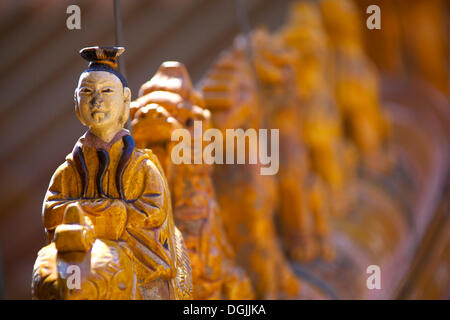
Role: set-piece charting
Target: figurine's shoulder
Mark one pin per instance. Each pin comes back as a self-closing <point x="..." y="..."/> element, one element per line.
<point x="73" y="159"/>
<point x="67" y="167"/>
<point x="148" y="155"/>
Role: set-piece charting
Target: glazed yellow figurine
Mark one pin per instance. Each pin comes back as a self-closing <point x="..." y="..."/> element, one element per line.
<point x="107" y="212"/>
<point x="419" y="52"/>
<point x="356" y="84"/>
<point x="363" y="229"/>
<point x="168" y="101"/>
<point x="303" y="205"/>
<point x="333" y="158"/>
<point x="249" y="200"/>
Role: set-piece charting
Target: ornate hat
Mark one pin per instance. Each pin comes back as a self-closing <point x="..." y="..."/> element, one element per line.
<point x="104" y="59"/>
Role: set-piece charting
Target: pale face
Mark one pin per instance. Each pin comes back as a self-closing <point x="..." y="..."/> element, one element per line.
<point x="101" y="102"/>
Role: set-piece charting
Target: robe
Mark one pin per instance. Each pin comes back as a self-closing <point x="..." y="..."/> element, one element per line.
<point x="124" y="193"/>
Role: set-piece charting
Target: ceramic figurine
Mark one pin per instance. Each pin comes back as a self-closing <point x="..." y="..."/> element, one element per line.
<point x="248" y="199"/>
<point x="168" y="102"/>
<point x="303" y="207"/>
<point x="332" y="157"/>
<point x="107" y="212"/>
<point x="356" y="85"/>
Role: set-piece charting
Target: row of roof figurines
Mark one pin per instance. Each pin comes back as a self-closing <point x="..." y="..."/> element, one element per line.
<point x="139" y="226"/>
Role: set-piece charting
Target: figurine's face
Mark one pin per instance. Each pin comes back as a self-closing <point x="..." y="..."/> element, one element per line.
<point x="101" y="102"/>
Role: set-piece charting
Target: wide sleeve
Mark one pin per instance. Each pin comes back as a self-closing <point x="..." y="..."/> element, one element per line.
<point x="64" y="189"/>
<point x="149" y="231"/>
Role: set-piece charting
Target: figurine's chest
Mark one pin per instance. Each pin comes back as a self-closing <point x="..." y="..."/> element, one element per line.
<point x="104" y="177"/>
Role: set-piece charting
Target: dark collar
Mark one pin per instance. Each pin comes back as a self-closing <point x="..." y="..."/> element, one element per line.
<point x="90" y="139"/>
<point x="102" y="148"/>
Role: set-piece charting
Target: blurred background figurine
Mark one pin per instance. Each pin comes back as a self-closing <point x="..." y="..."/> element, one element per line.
<point x="332" y="157"/>
<point x="303" y="208"/>
<point x="248" y="199"/>
<point x="167" y="102"/>
<point x="356" y="83"/>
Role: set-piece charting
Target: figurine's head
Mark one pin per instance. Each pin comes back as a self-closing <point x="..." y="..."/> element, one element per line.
<point x="102" y="97"/>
